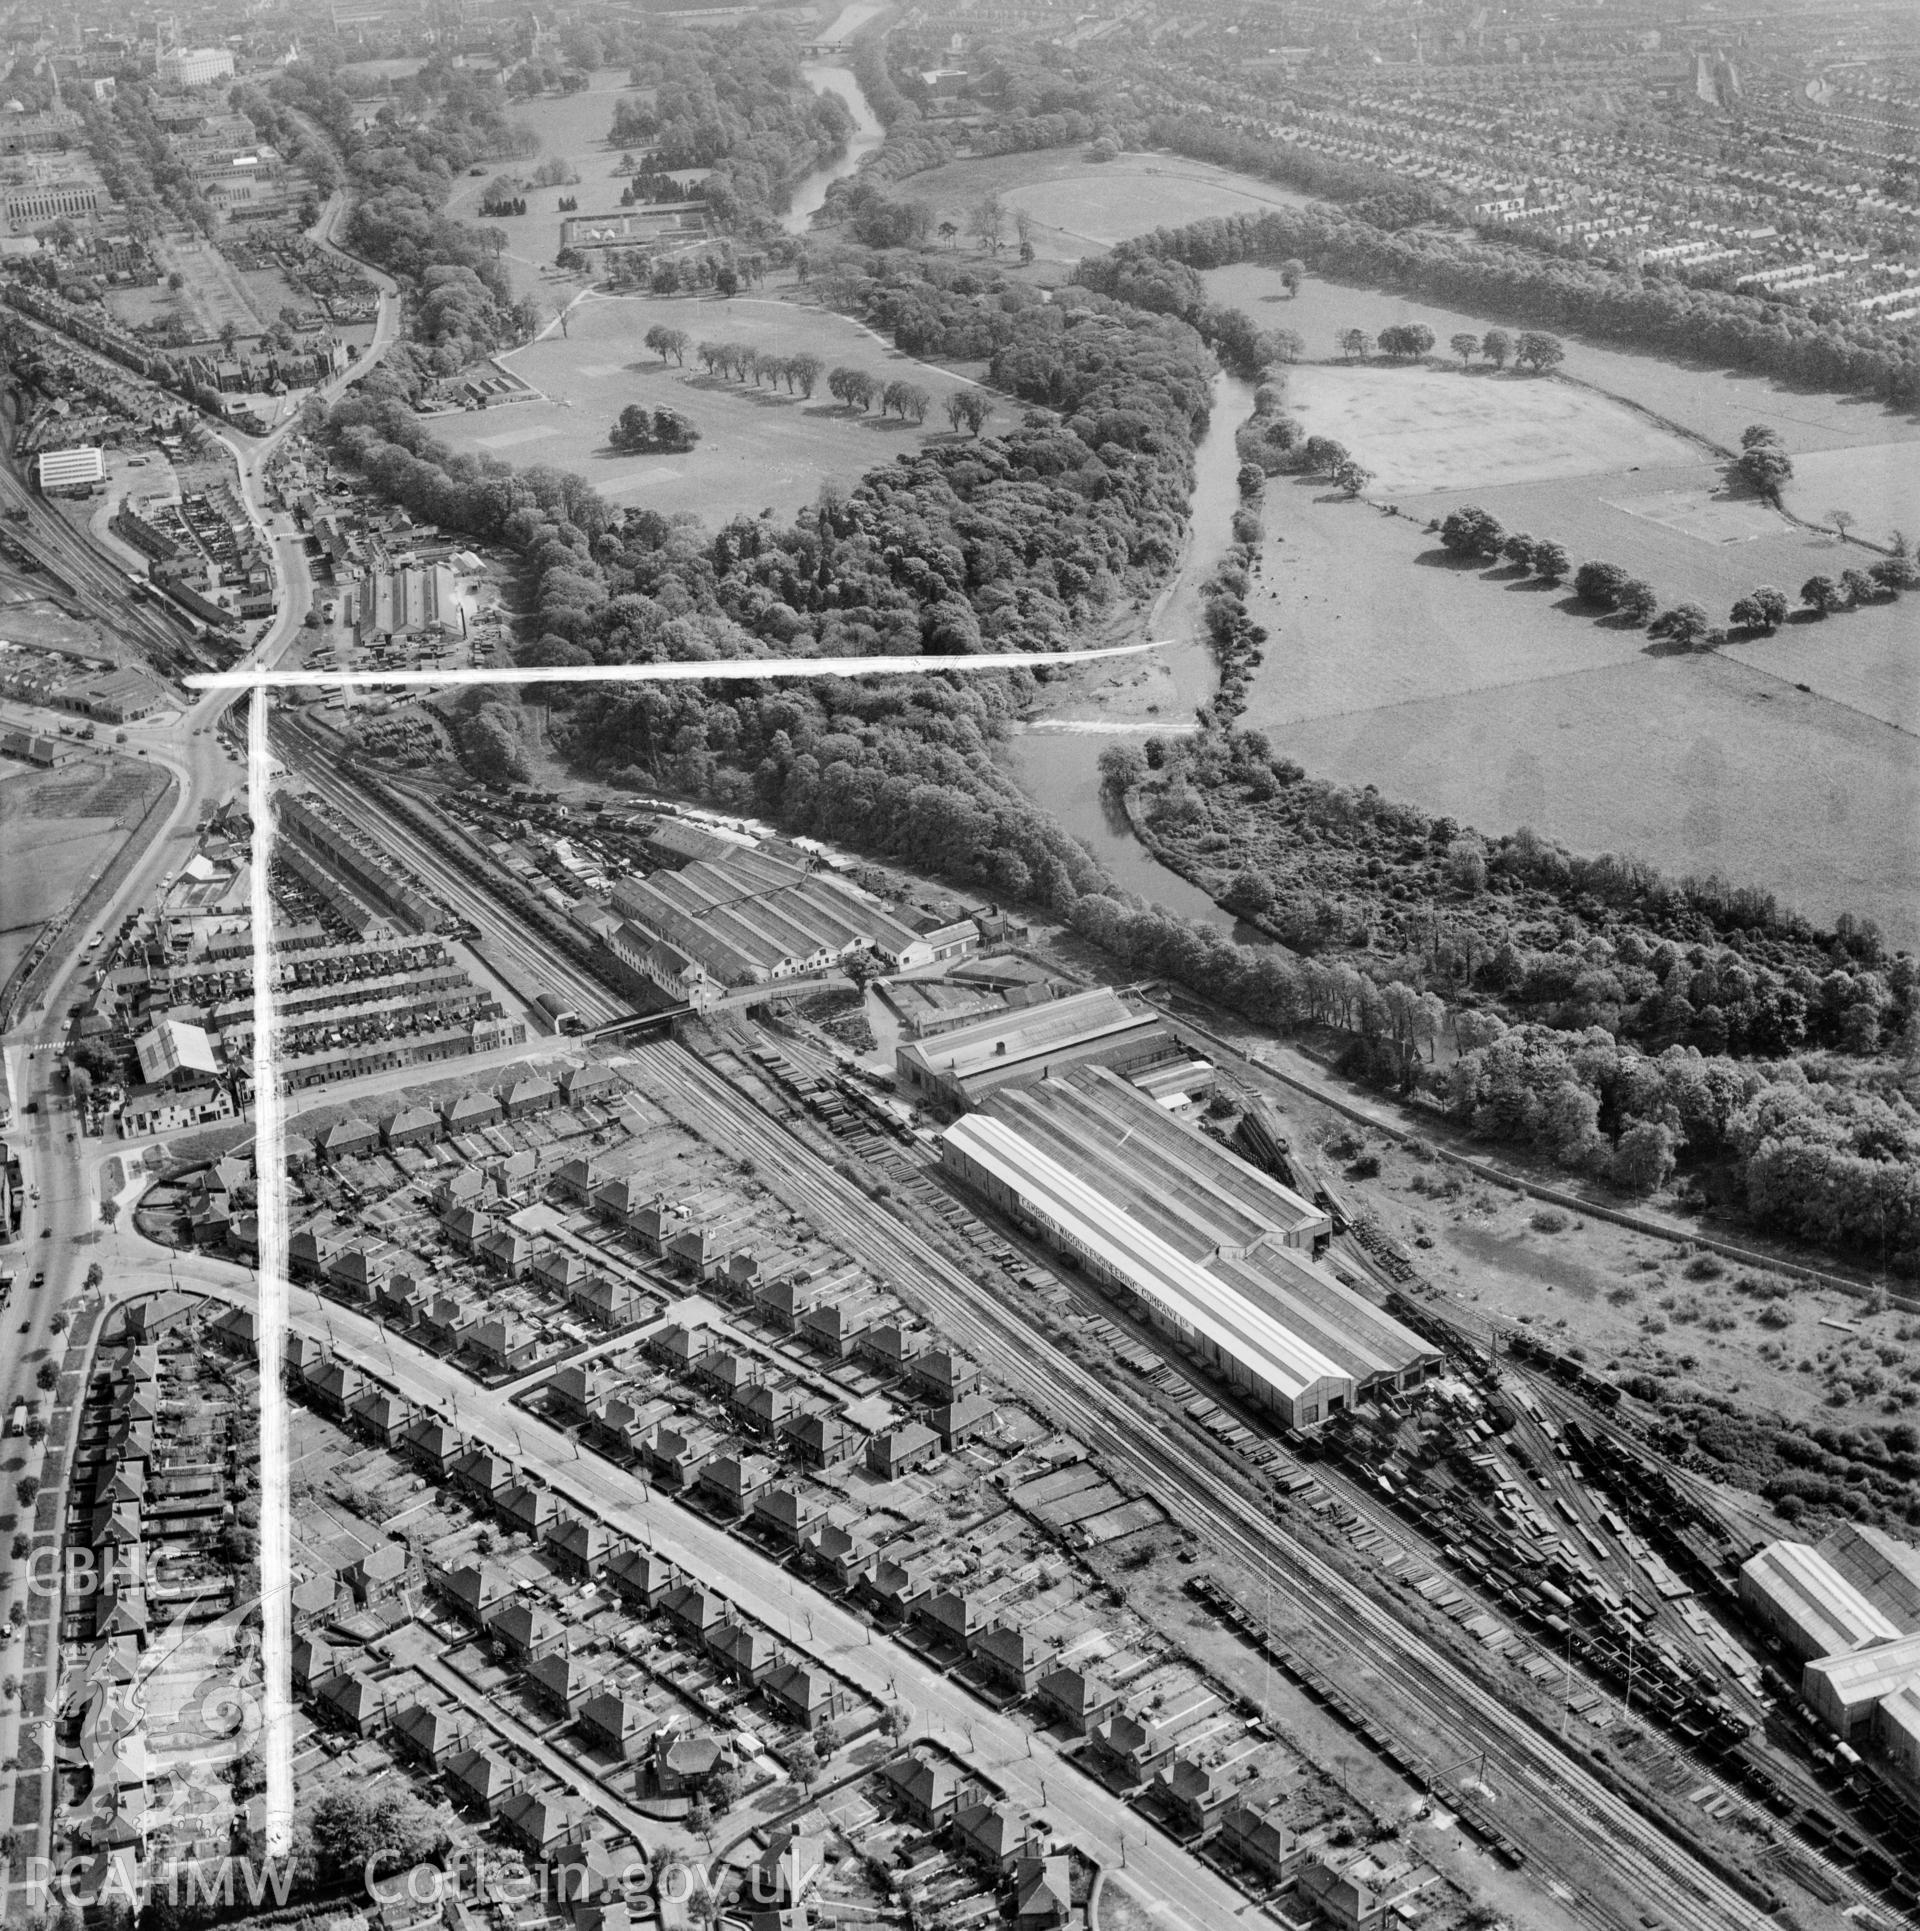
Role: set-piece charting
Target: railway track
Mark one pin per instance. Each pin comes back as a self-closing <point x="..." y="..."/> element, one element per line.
<point x="1789" y="1773"/>
<point x="536" y="967"/>
<point x="96" y="586"/>
<point x="1568" y="1806"/>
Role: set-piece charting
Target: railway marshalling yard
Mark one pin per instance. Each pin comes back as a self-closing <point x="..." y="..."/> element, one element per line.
<point x="709" y="1305"/>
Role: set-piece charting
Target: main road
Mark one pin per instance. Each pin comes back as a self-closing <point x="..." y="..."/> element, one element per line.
<point x="60" y="1230"/>
<point x="1186" y="1895"/>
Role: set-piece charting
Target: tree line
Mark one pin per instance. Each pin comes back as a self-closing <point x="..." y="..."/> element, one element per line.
<point x="730" y="98"/>
<point x="1617" y="1022"/>
<point x="1011" y="541"/>
<point x="1667" y="318"/>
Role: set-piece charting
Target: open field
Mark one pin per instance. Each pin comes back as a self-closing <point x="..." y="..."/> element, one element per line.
<point x="1698" y="763"/>
<point x="1080" y="207"/>
<point x="1709" y="402"/>
<point x="569" y="127"/>
<point x="1864" y="659"/>
<point x="1360" y="622"/>
<point x="759" y="448"/>
<point x="1879" y="485"/>
<point x="1680" y="528"/>
<point x="1500" y="702"/>
<point x="58" y="829"/>
<point x="1429" y="429"/>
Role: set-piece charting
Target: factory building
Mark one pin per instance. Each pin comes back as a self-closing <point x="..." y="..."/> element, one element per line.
<point x="959" y="1070"/>
<point x="28" y="208"/>
<point x="1843" y="1690"/>
<point x="1100" y="1171"/>
<point x="1883" y="1568"/>
<point x="79" y="468"/>
<point x="1278" y="1371"/>
<point x="1806" y="1602"/>
<point x="750" y="919"/>
<point x="195" y="66"/>
<point x="408" y="598"/>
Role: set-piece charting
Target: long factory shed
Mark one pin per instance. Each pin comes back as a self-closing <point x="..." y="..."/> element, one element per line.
<point x="1251" y="1351"/>
<point x="1138" y="1184"/>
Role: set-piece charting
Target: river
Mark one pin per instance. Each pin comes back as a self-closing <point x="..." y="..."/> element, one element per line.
<point x="1056" y="761"/>
<point x="1057" y="766"/>
<point x="811" y="193"/>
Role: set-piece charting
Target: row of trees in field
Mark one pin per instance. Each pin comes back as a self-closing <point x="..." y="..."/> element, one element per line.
<point x="1168" y="286"/>
<point x="1765" y="609"/>
<point x="1472" y="533"/>
<point x="1412" y="341"/>
<point x="1642" y="312"/>
<point x="801" y="373"/>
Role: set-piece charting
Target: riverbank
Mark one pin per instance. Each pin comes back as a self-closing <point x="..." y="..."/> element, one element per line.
<point x="810" y="194"/>
<point x="1055" y="755"/>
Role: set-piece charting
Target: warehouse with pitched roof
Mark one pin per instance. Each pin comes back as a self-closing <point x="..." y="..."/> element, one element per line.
<point x="1221" y="1254"/>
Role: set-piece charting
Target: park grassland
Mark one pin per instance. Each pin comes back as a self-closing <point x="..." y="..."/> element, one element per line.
<point x="1420" y="429"/>
<point x="1080" y="207"/>
<point x="760" y="447"/>
<point x="1500" y="700"/>
<point x="567" y="127"/>
<point x="58" y="830"/>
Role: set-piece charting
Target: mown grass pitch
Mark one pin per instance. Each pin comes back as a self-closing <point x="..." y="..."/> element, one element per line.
<point x="760" y="448"/>
<point x="1422" y="428"/>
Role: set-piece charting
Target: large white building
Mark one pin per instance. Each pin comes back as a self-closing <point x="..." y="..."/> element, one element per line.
<point x="71" y="468"/>
<point x="959" y="1069"/>
<point x="196" y="66"/>
<point x="1808" y="1603"/>
<point x="1220" y="1254"/>
<point x="1248" y="1349"/>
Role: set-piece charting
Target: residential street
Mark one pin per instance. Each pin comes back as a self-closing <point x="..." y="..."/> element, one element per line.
<point x="1190" y="1897"/>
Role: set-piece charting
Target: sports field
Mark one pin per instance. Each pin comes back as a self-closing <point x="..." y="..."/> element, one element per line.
<point x="760" y="448"/>
<point x="1708" y="401"/>
<point x="1423" y="429"/>
<point x="1079" y="206"/>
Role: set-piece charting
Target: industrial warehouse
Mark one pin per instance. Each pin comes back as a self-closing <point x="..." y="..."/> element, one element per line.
<point x="1221" y="1255"/>
<point x="1860" y="1644"/>
<point x="747" y="918"/>
<point x="958" y="1070"/>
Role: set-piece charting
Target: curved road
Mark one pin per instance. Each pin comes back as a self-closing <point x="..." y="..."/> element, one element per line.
<point x="60" y="1231"/>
